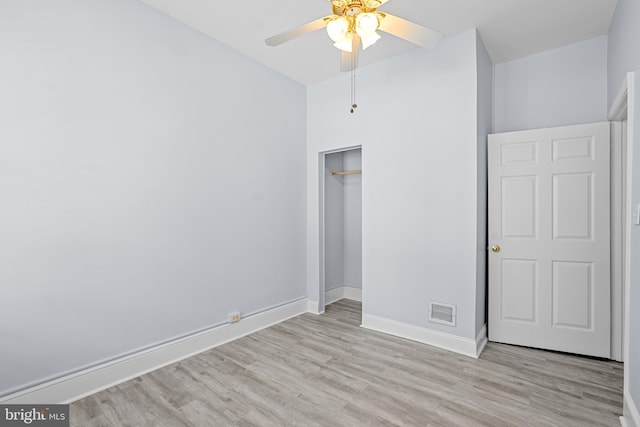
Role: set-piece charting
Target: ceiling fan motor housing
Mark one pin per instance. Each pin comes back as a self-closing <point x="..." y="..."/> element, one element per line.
<point x="354" y="16"/>
<point x="354" y="7"/>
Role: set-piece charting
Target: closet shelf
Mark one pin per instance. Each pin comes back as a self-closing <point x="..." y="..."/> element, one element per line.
<point x="347" y="172"/>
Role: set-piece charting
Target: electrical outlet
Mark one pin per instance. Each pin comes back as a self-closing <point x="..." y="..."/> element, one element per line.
<point x="234" y="317"/>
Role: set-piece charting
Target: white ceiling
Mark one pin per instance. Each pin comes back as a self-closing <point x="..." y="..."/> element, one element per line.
<point x="510" y="28"/>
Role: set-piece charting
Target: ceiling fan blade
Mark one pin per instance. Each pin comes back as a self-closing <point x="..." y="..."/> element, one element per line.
<point x="349" y="60"/>
<point x="407" y="30"/>
<point x="312" y="26"/>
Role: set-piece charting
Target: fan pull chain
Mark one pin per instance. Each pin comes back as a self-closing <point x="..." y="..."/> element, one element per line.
<point x="353" y="83"/>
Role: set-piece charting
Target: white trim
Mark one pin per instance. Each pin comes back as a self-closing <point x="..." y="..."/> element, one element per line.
<point x="342" y="292"/>
<point x="622" y="107"/>
<point x="313" y="307"/>
<point x="481" y="341"/>
<point x="466" y="346"/>
<point x="631" y="416"/>
<point x="321" y="236"/>
<point x="630" y="81"/>
<point x="75" y="386"/>
<point x="618" y="109"/>
<point x="617" y="241"/>
<point x="333" y="295"/>
<point x="352" y="293"/>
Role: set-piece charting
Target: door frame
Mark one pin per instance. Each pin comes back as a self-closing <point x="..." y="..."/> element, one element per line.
<point x="321" y="235"/>
<point x="618" y="230"/>
<point x="622" y="109"/>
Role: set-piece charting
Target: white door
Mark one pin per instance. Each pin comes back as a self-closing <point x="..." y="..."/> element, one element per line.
<point x="549" y="281"/>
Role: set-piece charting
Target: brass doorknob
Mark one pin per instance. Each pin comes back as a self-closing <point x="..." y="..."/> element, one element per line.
<point x="495" y="248"/>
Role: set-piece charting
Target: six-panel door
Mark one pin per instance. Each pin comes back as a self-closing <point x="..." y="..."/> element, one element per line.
<point x="549" y="283"/>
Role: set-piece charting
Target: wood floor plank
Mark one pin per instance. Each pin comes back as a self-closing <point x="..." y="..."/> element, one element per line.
<point x="327" y="371"/>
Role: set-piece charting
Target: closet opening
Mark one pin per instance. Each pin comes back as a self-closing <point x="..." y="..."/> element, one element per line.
<point x="341" y="229"/>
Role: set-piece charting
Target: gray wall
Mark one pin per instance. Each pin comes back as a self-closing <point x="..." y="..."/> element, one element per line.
<point x="352" y="236"/>
<point x="624" y="56"/>
<point x="559" y="87"/>
<point x="624" y="36"/>
<point x="416" y="122"/>
<point x="343" y="221"/>
<point x="484" y="128"/>
<point x="333" y="222"/>
<point x="151" y="181"/>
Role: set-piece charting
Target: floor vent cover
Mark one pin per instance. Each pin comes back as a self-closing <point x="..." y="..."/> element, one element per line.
<point x="442" y="313"/>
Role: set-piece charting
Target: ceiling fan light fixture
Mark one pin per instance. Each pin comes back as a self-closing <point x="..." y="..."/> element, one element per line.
<point x="346" y="44"/>
<point x="370" y="40"/>
<point x="338" y="29"/>
<point x="366" y="24"/>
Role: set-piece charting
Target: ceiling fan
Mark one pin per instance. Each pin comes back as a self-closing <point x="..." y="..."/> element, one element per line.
<point x="354" y="24"/>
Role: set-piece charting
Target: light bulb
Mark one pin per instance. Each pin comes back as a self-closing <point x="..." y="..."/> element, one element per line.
<point x="370" y="40"/>
<point x="366" y="24"/>
<point x="338" y="29"/>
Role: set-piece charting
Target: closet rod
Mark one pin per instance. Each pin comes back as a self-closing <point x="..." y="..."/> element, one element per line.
<point x="347" y="172"/>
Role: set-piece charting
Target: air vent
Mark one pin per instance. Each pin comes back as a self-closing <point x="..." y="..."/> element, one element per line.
<point x="442" y="313"/>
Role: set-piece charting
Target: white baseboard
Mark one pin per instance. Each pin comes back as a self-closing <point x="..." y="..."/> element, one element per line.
<point x="348" y="292"/>
<point x="466" y="346"/>
<point x="333" y="295"/>
<point x="313" y="307"/>
<point x="631" y="416"/>
<point x="89" y="381"/>
<point x="352" y="293"/>
<point x="481" y="341"/>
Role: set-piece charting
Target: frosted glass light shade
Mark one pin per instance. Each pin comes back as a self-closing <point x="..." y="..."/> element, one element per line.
<point x="338" y="29"/>
<point x="346" y="44"/>
<point x="370" y="40"/>
<point x="366" y="24"/>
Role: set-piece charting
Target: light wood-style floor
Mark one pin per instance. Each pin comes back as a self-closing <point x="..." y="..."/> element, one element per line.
<point x="326" y="371"/>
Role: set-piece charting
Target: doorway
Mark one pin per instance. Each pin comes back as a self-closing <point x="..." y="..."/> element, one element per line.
<point x="341" y="225"/>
